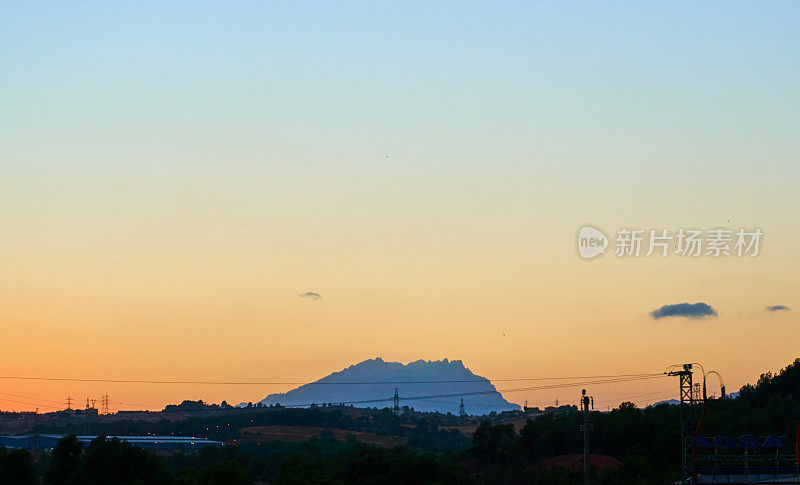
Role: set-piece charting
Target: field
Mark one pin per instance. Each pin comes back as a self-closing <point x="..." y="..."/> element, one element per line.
<point x="264" y="434"/>
<point x="469" y="429"/>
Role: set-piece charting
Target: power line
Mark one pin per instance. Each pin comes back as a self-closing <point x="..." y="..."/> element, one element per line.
<point x="604" y="379"/>
<point x="32" y="404"/>
<point x="478" y="393"/>
<point x="34" y="398"/>
<point x="39" y="401"/>
<point x="614" y="378"/>
<point x="275" y="383"/>
<point x="656" y="393"/>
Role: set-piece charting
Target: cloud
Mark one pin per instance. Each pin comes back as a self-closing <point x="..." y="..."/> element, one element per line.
<point x="778" y="308"/>
<point x="310" y="295"/>
<point x="687" y="310"/>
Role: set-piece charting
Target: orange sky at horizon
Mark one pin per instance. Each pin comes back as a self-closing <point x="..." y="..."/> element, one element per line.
<point x="173" y="177"/>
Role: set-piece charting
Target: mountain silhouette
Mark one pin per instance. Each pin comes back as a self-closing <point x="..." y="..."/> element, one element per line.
<point x="417" y="384"/>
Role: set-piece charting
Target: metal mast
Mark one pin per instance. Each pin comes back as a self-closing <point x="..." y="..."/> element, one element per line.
<point x="586" y="427"/>
<point x="687" y="418"/>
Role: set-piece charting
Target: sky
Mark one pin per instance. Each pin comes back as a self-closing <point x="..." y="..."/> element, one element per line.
<point x="173" y="176"/>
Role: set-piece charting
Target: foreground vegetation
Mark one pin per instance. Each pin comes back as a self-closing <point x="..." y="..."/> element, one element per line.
<point x="645" y="441"/>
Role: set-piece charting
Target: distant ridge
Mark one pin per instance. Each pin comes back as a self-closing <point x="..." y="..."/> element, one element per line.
<point x="674" y="402"/>
<point x="414" y="380"/>
<point x="671" y="402"/>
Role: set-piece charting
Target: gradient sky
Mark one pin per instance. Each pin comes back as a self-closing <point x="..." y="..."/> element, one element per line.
<point x="173" y="176"/>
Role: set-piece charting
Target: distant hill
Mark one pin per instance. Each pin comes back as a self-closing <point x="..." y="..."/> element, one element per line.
<point x="674" y="402"/>
<point x="413" y="380"/>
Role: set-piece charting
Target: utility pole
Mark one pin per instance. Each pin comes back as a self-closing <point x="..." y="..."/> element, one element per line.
<point x="69" y="403"/>
<point x="687" y="418"/>
<point x="104" y="403"/>
<point x="36" y="438"/>
<point x="586" y="427"/>
<point x="396" y="402"/>
<point x="461" y="411"/>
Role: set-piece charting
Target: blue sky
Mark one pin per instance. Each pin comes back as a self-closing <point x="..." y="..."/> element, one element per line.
<point x="170" y="166"/>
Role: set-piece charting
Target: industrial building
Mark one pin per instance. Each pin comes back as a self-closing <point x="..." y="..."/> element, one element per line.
<point x="161" y="443"/>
